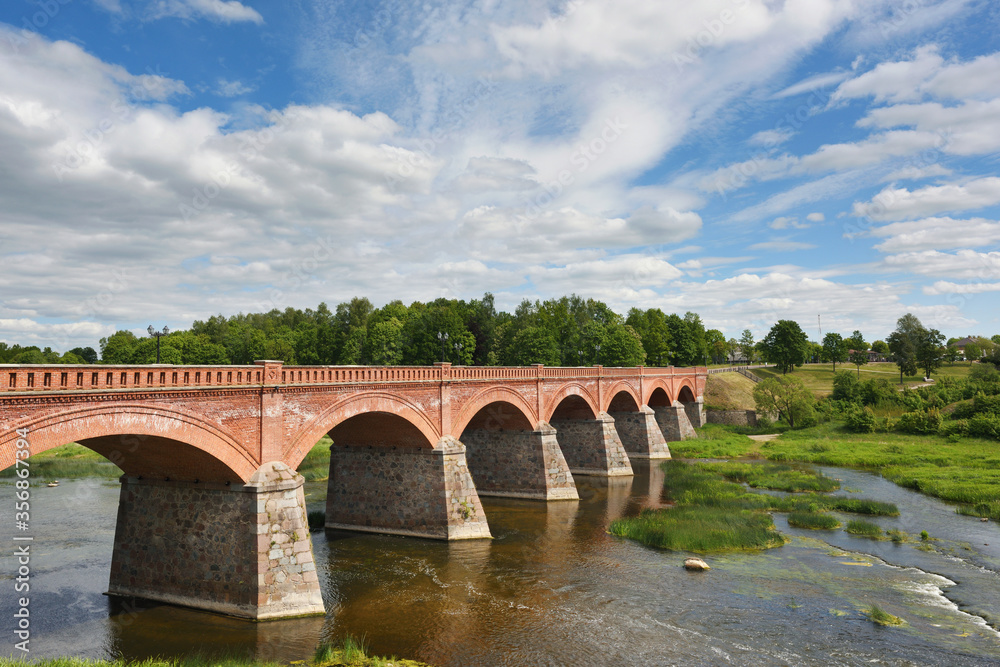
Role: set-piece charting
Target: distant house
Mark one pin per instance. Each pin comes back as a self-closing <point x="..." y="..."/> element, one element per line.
<point x="873" y="355"/>
<point x="960" y="344"/>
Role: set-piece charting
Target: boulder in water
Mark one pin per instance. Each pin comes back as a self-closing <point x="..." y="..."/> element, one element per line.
<point x="696" y="564"/>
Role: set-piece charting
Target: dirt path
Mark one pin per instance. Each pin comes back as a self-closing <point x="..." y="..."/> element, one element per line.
<point x="765" y="437"/>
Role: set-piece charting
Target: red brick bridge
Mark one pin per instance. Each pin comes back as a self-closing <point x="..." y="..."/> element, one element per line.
<point x="212" y="513"/>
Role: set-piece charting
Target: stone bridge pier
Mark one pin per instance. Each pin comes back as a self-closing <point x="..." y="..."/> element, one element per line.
<point x="237" y="549"/>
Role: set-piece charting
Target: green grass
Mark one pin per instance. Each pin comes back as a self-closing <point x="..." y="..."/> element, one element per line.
<point x="813" y="520"/>
<point x="864" y="528"/>
<point x="713" y="513"/>
<point x="818" y="378"/>
<point x="882" y="617"/>
<point x="989" y="510"/>
<point x="67" y="462"/>
<point x="964" y="471"/>
<point x="729" y="391"/>
<point x="863" y="506"/>
<point x="316" y="464"/>
<point x="777" y="477"/>
<point x="715" y="441"/>
<point x="349" y="652"/>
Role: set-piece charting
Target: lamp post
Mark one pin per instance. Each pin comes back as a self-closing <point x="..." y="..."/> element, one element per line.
<point x="443" y="337"/>
<point x="597" y="352"/>
<point x="157" y="335"/>
<point x="580" y="354"/>
<point x="458" y="349"/>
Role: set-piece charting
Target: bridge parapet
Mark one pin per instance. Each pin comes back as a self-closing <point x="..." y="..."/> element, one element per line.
<point x="99" y="377"/>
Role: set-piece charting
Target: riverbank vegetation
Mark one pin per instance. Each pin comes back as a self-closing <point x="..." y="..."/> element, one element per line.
<point x="349" y="652"/>
<point x="67" y="462"/>
<point x="714" y="510"/>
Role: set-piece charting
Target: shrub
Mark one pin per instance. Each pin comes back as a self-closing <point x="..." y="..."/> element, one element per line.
<point x="919" y="422"/>
<point x="845" y="386"/>
<point x="878" y="390"/>
<point x="860" y="420"/>
<point x="985" y="426"/>
<point x="954" y="427"/>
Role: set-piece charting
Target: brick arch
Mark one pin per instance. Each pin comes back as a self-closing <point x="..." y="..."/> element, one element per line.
<point x="185" y="443"/>
<point x="685" y="384"/>
<point x="618" y="388"/>
<point x="485" y="398"/>
<point x="353" y="406"/>
<point x="659" y="384"/>
<point x="567" y="390"/>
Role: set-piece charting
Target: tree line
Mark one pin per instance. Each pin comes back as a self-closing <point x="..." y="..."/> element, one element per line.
<point x="568" y="331"/>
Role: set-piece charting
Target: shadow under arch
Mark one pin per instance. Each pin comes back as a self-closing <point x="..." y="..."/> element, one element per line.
<point x="588" y="438"/>
<point x="509" y="456"/>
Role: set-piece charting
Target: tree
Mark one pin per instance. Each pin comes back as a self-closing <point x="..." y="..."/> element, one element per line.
<point x="787" y="397"/>
<point x="747" y="346"/>
<point x="88" y="354"/>
<point x="880" y="347"/>
<point x="534" y="345"/>
<point x="786" y="345"/>
<point x="859" y="358"/>
<point x="973" y="351"/>
<point x="716" y="342"/>
<point x="652" y="328"/>
<point x="930" y="351"/>
<point x="119" y="347"/>
<point x="622" y="347"/>
<point x="903" y="353"/>
<point x="858" y="350"/>
<point x="834" y="349"/>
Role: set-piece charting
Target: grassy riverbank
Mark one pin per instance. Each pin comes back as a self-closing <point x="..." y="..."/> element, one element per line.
<point x="68" y="462"/>
<point x="964" y="470"/>
<point x="715" y="512"/>
<point x="347" y="653"/>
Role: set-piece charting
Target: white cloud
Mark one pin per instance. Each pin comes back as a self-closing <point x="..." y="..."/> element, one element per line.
<point x="812" y="84"/>
<point x="900" y="203"/>
<point x="782" y="245"/>
<point x="942" y="287"/>
<point x="786" y="222"/>
<point x="936" y="234"/>
<point x="774" y="137"/>
<point x="815" y="217"/>
<point x="963" y="264"/>
<point x="917" y="173"/>
<point x="223" y="11"/>
<point x="227" y="88"/>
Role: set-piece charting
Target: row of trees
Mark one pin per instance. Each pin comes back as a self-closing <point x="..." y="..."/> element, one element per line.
<point x="911" y="345"/>
<point x="569" y="331"/>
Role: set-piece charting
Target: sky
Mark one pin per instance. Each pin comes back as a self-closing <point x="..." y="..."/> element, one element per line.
<point x="834" y="162"/>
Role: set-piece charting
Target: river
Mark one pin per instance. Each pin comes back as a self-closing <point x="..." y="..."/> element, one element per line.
<point x="552" y="588"/>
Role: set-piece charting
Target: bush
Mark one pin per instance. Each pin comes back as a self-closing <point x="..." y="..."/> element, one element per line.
<point x="954" y="427"/>
<point x="860" y="420"/>
<point x="919" y="422"/>
<point x="985" y="426"/>
<point x="845" y="386"/>
<point x="879" y="390"/>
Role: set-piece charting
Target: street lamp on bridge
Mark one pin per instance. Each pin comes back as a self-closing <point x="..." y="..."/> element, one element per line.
<point x="443" y="337"/>
<point x="157" y="335"/>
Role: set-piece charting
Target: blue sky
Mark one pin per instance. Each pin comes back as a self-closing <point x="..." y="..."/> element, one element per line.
<point x="750" y="160"/>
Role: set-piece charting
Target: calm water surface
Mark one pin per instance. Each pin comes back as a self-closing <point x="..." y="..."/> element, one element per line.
<point x="553" y="588"/>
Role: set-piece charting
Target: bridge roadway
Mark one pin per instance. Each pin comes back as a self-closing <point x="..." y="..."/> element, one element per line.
<point x="212" y="513"/>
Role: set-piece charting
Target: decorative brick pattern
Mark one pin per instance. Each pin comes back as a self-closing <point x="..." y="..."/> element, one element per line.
<point x="592" y="446"/>
<point x="519" y="464"/>
<point x="411" y="491"/>
<point x="239" y="550"/>
<point x="640" y="434"/>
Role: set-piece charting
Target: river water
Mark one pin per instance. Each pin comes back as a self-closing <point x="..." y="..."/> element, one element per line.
<point x="552" y="588"/>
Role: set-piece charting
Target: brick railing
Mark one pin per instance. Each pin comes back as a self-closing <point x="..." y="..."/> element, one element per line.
<point x="58" y="377"/>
